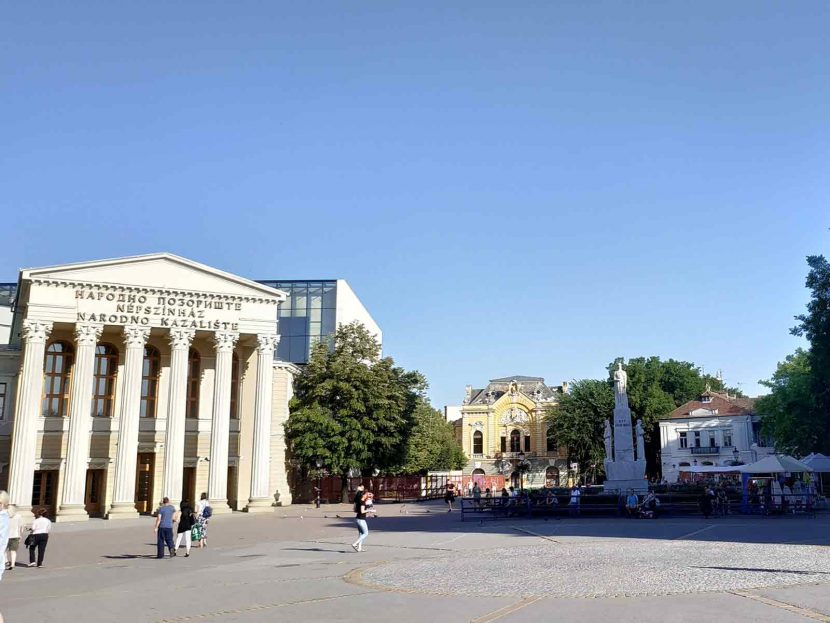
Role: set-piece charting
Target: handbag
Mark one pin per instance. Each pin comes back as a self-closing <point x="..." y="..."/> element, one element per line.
<point x="196" y="533"/>
<point x="29" y="541"/>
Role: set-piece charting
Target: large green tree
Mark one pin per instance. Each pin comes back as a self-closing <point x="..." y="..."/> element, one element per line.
<point x="431" y="444"/>
<point x="352" y="410"/>
<point x="578" y="420"/>
<point x="797" y="410"/>
<point x="790" y="410"/>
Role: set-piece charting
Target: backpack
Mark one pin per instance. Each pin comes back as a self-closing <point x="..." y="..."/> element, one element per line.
<point x="207" y="512"/>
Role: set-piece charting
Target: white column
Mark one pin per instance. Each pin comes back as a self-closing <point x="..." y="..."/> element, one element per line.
<point x="224" y="342"/>
<point x="80" y="424"/>
<point x="261" y="498"/>
<point x="123" y="497"/>
<point x="26" y="413"/>
<point x="180" y="340"/>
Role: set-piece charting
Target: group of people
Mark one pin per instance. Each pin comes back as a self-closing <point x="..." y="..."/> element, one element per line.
<point x="191" y="525"/>
<point x="12" y="529"/>
<point x="713" y="500"/>
<point x="648" y="508"/>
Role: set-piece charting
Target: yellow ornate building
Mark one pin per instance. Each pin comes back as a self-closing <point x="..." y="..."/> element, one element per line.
<point x="503" y="431"/>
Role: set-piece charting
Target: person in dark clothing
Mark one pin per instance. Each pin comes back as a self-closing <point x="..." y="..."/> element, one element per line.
<point x="186" y="520"/>
<point x="705" y="503"/>
<point x="360" y="519"/>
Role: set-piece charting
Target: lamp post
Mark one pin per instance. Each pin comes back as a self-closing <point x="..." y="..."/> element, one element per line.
<point x="319" y="465"/>
<point x="523" y="466"/>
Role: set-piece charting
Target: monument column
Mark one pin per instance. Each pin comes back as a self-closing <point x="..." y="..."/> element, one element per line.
<point x="224" y="342"/>
<point x="123" y="499"/>
<point x="80" y="424"/>
<point x="261" y="499"/>
<point x="180" y="340"/>
<point x="26" y="412"/>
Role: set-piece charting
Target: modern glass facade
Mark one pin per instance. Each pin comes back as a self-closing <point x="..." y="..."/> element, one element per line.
<point x="306" y="318"/>
<point x="7" y="293"/>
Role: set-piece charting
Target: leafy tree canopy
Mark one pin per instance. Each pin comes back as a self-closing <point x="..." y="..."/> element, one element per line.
<point x="353" y="410"/>
<point x="431" y="444"/>
<point x="797" y="409"/>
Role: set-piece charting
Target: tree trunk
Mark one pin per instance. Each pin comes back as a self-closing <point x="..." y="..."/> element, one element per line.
<point x="344" y="487"/>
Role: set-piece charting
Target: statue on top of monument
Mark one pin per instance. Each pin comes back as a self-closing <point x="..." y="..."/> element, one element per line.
<point x="620" y="379"/>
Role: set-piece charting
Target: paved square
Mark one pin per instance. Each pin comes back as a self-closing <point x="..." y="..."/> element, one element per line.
<point x="423" y="564"/>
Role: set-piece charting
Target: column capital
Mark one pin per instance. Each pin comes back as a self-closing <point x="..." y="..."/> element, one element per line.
<point x="224" y="341"/>
<point x="181" y="339"/>
<point x="87" y="334"/>
<point x="267" y="342"/>
<point x="135" y="336"/>
<point x="36" y="330"/>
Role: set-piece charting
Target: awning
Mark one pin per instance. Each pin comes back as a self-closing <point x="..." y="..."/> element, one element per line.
<point x="776" y="464"/>
<point x="818" y="462"/>
<point x="710" y="469"/>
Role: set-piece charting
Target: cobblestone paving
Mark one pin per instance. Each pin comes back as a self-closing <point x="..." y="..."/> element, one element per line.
<point x="610" y="568"/>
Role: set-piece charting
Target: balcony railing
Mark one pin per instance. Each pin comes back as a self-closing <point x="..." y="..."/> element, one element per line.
<point x="706" y="450"/>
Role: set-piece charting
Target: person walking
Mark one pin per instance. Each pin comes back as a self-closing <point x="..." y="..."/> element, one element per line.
<point x="476" y="497"/>
<point x="41" y="527"/>
<point x="15" y="528"/>
<point x="705" y="502"/>
<point x="164" y="528"/>
<point x="4" y="529"/>
<point x="360" y="519"/>
<point x="449" y="496"/>
<point x="203" y="514"/>
<point x="186" y="522"/>
<point x="573" y="505"/>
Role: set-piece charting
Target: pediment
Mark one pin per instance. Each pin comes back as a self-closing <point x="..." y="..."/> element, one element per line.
<point x="158" y="271"/>
<point x="519" y="399"/>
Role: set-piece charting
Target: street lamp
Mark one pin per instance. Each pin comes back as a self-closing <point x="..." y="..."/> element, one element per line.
<point x="319" y="464"/>
<point x="523" y="466"/>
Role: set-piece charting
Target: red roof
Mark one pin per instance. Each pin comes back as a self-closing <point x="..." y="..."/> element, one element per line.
<point x="726" y="406"/>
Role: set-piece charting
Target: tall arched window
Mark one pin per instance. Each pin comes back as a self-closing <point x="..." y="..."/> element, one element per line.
<point x="103" y="380"/>
<point x="194" y="374"/>
<point x="235" y="387"/>
<point x="150" y="381"/>
<point x="515" y="441"/>
<point x="56" y="368"/>
<point x="478" y="442"/>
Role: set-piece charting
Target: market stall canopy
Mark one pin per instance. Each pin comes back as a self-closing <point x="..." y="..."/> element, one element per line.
<point x="709" y="469"/>
<point x="775" y="464"/>
<point x="819" y="462"/>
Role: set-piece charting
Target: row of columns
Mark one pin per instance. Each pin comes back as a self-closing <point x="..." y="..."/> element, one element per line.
<point x="27" y="411"/>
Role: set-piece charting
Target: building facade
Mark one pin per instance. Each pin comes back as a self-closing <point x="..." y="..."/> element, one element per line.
<point x="131" y="379"/>
<point x="714" y="430"/>
<point x="503" y="429"/>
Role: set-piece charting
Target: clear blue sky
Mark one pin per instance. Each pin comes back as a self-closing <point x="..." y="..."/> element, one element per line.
<point x="514" y="188"/>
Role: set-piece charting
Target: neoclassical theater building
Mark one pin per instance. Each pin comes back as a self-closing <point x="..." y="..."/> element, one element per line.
<point x="131" y="379"/>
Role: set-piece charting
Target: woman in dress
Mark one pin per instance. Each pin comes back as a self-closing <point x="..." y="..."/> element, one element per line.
<point x="41" y="527"/>
<point x="186" y="520"/>
<point x="203" y="515"/>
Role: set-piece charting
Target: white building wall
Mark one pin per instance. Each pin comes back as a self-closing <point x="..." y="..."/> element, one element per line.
<point x="740" y="427"/>
<point x="349" y="308"/>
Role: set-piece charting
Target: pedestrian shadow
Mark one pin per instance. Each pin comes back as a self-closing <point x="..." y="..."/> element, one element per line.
<point x="793" y="571"/>
<point x="313" y="549"/>
<point x="128" y="556"/>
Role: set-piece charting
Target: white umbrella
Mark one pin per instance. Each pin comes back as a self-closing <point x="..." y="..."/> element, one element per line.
<point x="818" y="462"/>
<point x="776" y="464"/>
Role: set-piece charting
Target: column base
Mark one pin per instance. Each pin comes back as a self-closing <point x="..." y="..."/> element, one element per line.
<point x="260" y="505"/>
<point x="122" y="511"/>
<point x="220" y="507"/>
<point x="71" y="512"/>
